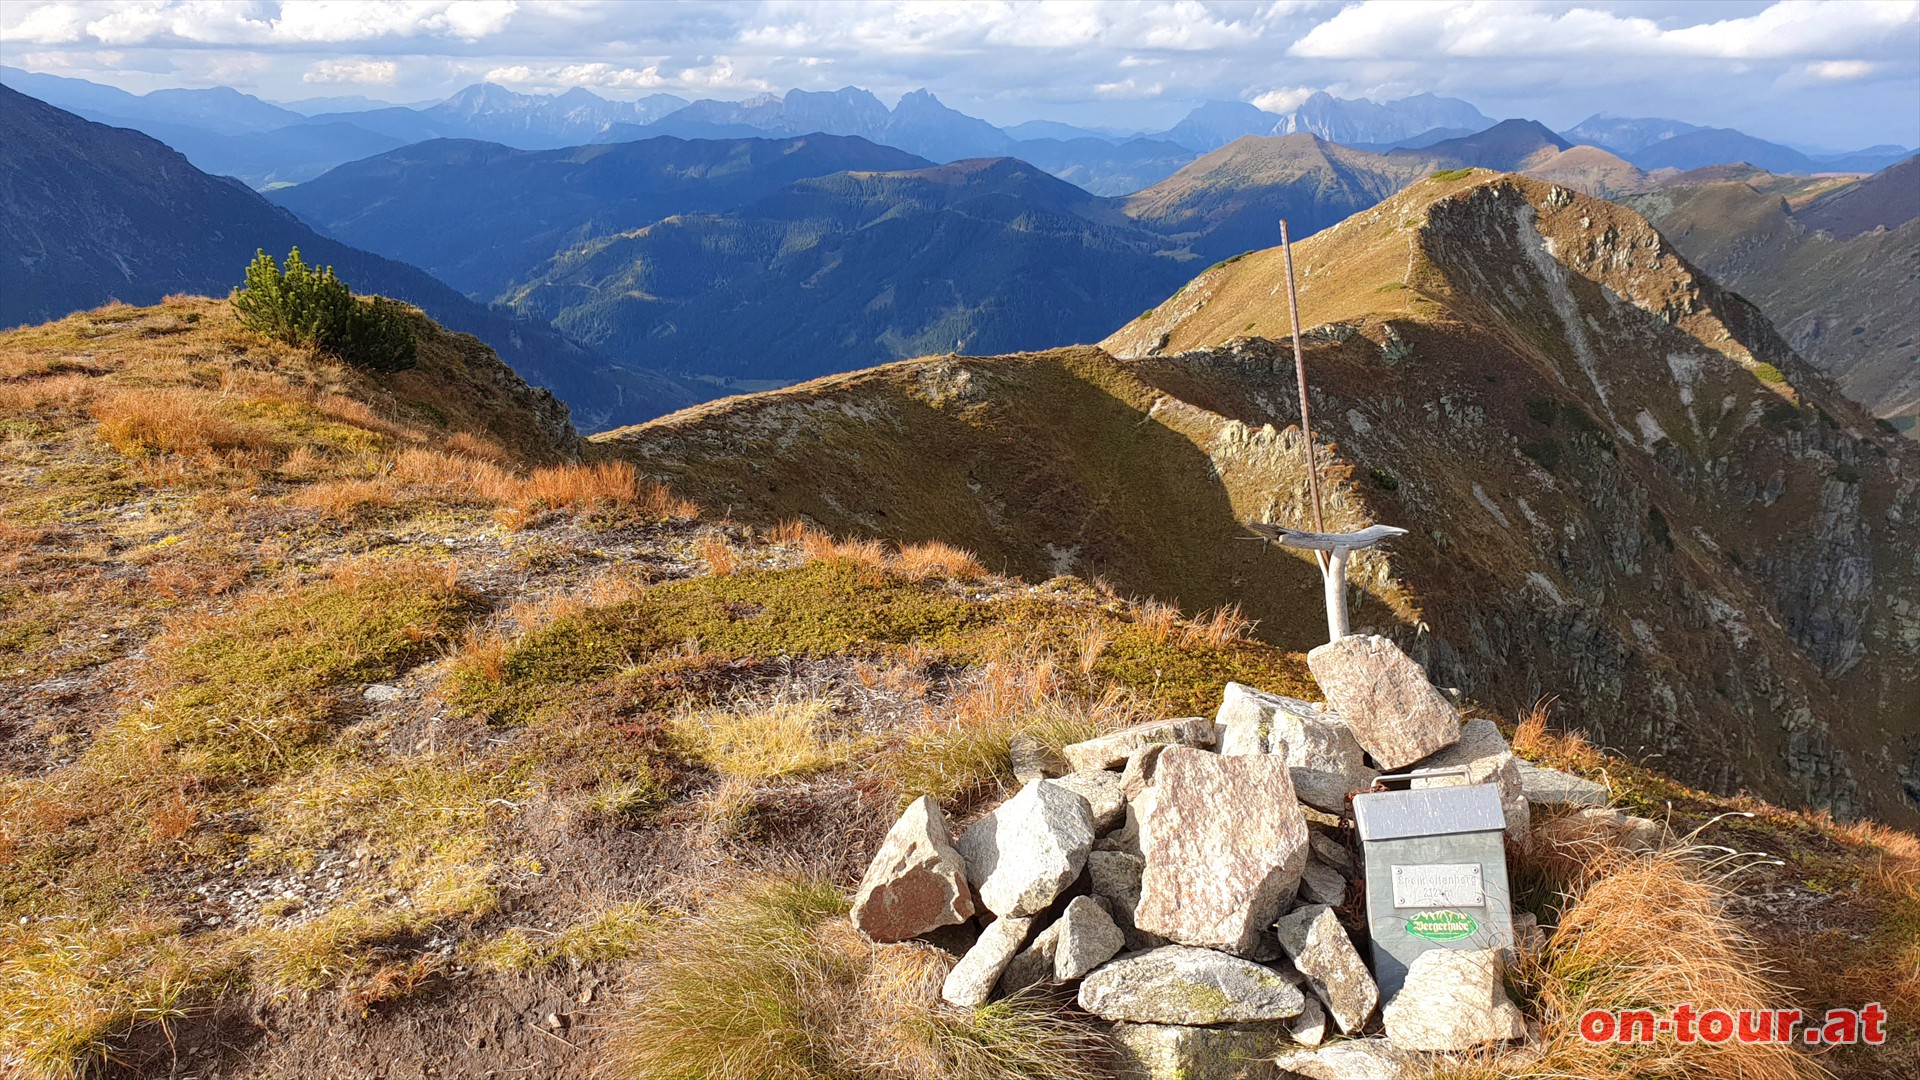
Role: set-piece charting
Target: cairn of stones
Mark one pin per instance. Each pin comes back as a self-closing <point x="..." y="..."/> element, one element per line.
<point x="1186" y="879"/>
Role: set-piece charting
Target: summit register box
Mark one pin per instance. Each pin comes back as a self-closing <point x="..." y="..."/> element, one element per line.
<point x="1436" y="869"/>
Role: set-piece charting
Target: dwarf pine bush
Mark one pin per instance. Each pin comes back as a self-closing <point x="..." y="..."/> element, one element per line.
<point x="301" y="305"/>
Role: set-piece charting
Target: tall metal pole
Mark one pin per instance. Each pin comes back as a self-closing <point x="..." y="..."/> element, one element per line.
<point x="1300" y="370"/>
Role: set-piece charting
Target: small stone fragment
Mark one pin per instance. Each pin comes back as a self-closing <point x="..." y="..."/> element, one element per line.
<point x="1137" y="775"/>
<point x="1331" y="851"/>
<point x="972" y="980"/>
<point x="1348" y="1059"/>
<point x="1110" y="751"/>
<point x="1087" y="937"/>
<point x="916" y="882"/>
<point x="1025" y="853"/>
<point x="1322" y="884"/>
<point x="1453" y="1000"/>
<point x="1114" y="876"/>
<point x="1224" y="843"/>
<point x="1527" y="935"/>
<point x="381" y="693"/>
<point x="1384" y="696"/>
<point x="1101" y="789"/>
<point x="1181" y="985"/>
<point x="1314" y="940"/>
<point x="1176" y="1052"/>
<point x="1551" y="787"/>
<point x="1310" y="1027"/>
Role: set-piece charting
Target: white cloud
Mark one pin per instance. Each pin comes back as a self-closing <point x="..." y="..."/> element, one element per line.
<point x="365" y="72"/>
<point x="256" y="23"/>
<point x="1283" y="100"/>
<point x="1841" y="70"/>
<point x="1499" y="29"/>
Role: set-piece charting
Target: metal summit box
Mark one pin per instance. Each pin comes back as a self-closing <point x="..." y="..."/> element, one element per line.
<point x="1436" y="866"/>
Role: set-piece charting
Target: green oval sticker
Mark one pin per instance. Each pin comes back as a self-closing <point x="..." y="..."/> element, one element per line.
<point x="1442" y="925"/>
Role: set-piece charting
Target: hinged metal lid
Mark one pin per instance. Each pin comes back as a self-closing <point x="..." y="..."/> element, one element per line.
<point x="1435" y="811"/>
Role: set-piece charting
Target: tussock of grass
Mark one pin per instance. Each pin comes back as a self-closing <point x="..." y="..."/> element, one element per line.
<point x="68" y="999"/>
<point x="761" y="742"/>
<point x="772" y="984"/>
<point x="1653" y="933"/>
<point x="172" y="420"/>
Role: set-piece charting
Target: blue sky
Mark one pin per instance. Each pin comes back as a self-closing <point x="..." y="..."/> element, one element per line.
<point x="1826" y="73"/>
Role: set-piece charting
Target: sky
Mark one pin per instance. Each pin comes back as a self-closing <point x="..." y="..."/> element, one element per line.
<point x="1830" y="74"/>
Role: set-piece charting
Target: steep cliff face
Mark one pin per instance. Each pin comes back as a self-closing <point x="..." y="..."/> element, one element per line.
<point x="1622" y="488"/>
<point x="1625" y="488"/>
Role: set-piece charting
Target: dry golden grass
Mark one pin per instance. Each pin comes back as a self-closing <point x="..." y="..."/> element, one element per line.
<point x="936" y="559"/>
<point x="171" y="420"/>
<point x="773" y="984"/>
<point x="65" y="391"/>
<point x="1094" y="640"/>
<point x="718" y="554"/>
<point x="346" y="500"/>
<point x="1219" y="628"/>
<point x="1156" y="619"/>
<point x="605" y="485"/>
<point x="1652" y="932"/>
<point x="762" y="742"/>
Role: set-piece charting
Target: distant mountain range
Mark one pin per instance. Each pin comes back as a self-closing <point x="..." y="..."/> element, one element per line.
<point x="1657" y="143"/>
<point x="91" y="213"/>
<point x="230" y="133"/>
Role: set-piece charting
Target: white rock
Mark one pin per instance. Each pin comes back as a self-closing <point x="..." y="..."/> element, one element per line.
<point x="1181" y="985"/>
<point x="1314" y="940"/>
<point x="1310" y="1027"/>
<point x="1349" y="1059"/>
<point x="1110" y="751"/>
<point x="1453" y="1000"/>
<point x="1551" y="787"/>
<point x="1101" y="789"/>
<point x="1326" y="759"/>
<point x="1384" y="696"/>
<point x="1025" y="853"/>
<point x="1224" y="843"/>
<point x="1087" y="938"/>
<point x="380" y="693"/>
<point x="972" y="980"/>
<point x="1081" y="939"/>
<point x="917" y="880"/>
